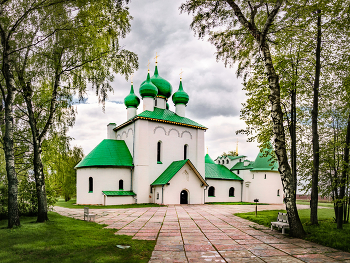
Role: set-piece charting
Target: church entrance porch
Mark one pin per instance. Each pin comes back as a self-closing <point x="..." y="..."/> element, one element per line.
<point x="183" y="197"/>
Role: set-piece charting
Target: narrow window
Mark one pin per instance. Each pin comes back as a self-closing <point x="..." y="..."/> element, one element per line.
<point x="237" y="171"/>
<point x="157" y="196"/>
<point x="155" y="103"/>
<point x="231" y="192"/>
<point x="151" y="190"/>
<point x="185" y="151"/>
<point x="91" y="184"/>
<point x="211" y="191"/>
<point x="278" y="192"/>
<point x="159" y="145"/>
<point x="226" y="161"/>
<point x="223" y="161"/>
<point x="240" y="160"/>
<point x="253" y="176"/>
<point x="121" y="185"/>
<point x="265" y="176"/>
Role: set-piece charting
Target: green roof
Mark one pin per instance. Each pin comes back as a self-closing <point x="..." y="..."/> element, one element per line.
<point x="118" y="193"/>
<point x="265" y="161"/>
<point x="208" y="159"/>
<point x="230" y="157"/>
<point x="218" y="171"/>
<point x="163" y="115"/>
<point x="240" y="166"/>
<point x="108" y="153"/>
<point x="172" y="169"/>
<point x="164" y="87"/>
<point x="132" y="100"/>
<point x="180" y="96"/>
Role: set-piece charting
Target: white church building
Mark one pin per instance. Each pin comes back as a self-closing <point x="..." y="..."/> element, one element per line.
<point x="158" y="156"/>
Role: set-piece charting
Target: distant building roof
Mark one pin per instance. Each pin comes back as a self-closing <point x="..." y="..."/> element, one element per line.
<point x="163" y="115"/>
<point x="266" y="161"/>
<point x="172" y="169"/>
<point x="108" y="153"/>
<point x="218" y="171"/>
<point x="240" y="166"/>
<point x="230" y="157"/>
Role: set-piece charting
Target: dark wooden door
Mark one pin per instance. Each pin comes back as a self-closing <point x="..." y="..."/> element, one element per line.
<point x="183" y="197"/>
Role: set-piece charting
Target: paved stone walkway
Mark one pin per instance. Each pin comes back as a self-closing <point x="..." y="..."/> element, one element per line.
<point x="209" y="233"/>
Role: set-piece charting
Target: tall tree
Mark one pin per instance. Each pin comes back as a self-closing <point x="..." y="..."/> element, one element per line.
<point x="247" y="33"/>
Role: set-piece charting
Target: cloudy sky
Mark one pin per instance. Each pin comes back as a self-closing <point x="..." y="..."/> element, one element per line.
<point x="215" y="92"/>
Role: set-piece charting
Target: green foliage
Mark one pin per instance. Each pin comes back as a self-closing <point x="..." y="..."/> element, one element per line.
<point x="64" y="239"/>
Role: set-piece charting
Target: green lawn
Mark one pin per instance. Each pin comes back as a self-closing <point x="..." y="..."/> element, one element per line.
<point x="64" y="239"/>
<point x="72" y="204"/>
<point x="326" y="233"/>
<point x="233" y="203"/>
<point x="307" y="202"/>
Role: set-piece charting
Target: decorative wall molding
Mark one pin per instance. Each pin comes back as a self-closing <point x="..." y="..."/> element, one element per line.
<point x="186" y="132"/>
<point x="132" y="132"/>
<point x="159" y="127"/>
<point x="173" y="129"/>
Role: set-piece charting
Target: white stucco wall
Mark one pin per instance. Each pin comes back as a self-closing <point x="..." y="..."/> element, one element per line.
<point x="263" y="189"/>
<point x="118" y="200"/>
<point x="104" y="179"/>
<point x="184" y="179"/>
<point x="222" y="191"/>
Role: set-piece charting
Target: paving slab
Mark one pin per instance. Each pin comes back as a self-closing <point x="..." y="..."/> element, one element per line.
<point x="209" y="233"/>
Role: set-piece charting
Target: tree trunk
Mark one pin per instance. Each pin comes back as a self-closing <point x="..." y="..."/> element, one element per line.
<point x="288" y="180"/>
<point x="13" y="213"/>
<point x="37" y="162"/>
<point x="343" y="177"/>
<point x="315" y="139"/>
<point x="293" y="135"/>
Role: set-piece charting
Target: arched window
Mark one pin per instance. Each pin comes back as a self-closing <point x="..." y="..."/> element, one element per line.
<point x="265" y="176"/>
<point x="227" y="161"/>
<point x="223" y="161"/>
<point x="121" y="185"/>
<point x="237" y="171"/>
<point x="231" y="192"/>
<point x="211" y="191"/>
<point x="159" y="145"/>
<point x="185" y="151"/>
<point x="253" y="176"/>
<point x="278" y="192"/>
<point x="91" y="184"/>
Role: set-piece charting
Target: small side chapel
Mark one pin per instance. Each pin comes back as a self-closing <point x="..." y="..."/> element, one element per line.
<point x="158" y="156"/>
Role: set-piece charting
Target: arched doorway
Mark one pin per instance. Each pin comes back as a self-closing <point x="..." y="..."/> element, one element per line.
<point x="183" y="197"/>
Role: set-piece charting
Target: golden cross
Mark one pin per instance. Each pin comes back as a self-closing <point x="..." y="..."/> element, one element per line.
<point x="148" y="65"/>
<point x="131" y="77"/>
<point x="181" y="74"/>
<point x="156" y="57"/>
<point x="207" y="150"/>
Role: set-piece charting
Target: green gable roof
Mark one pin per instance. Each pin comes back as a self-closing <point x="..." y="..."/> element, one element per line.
<point x="172" y="169"/>
<point x="118" y="193"/>
<point x="218" y="171"/>
<point x="108" y="153"/>
<point x="265" y="161"/>
<point x="240" y="166"/>
<point x="163" y="115"/>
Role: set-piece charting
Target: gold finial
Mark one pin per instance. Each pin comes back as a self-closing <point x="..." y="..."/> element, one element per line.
<point x="148" y="66"/>
<point x="237" y="148"/>
<point x="131" y="77"/>
<point x="207" y="150"/>
<point x="156" y="57"/>
<point x="181" y="74"/>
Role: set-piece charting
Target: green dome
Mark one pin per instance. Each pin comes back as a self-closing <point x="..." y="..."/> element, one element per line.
<point x="180" y="96"/>
<point x="164" y="87"/>
<point x="148" y="89"/>
<point x="132" y="101"/>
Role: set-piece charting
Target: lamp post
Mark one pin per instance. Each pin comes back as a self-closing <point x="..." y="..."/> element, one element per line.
<point x="256" y="206"/>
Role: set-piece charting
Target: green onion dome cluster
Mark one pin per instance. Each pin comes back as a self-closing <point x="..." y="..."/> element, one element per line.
<point x="147" y="88"/>
<point x="132" y="101"/>
<point x="180" y="96"/>
<point x="164" y="87"/>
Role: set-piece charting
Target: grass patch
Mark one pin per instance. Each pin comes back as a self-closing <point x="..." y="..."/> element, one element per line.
<point x="323" y="204"/>
<point x="234" y="203"/>
<point x="64" y="239"/>
<point x="326" y="233"/>
<point x="72" y="204"/>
